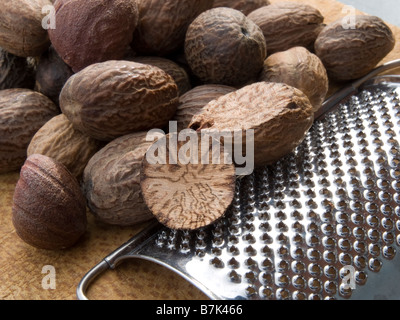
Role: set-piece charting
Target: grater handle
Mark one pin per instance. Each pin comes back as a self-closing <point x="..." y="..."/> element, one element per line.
<point x="337" y="97"/>
<point x="127" y="250"/>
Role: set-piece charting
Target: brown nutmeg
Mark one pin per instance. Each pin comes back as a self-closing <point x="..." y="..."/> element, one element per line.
<point x="163" y="23"/>
<point x="350" y="52"/>
<point x="245" y="6"/>
<point x="288" y="24"/>
<point x="51" y="74"/>
<point x="58" y="140"/>
<point x="21" y="30"/>
<point x="93" y="31"/>
<point x="111" y="180"/>
<point x="49" y="209"/>
<point x="177" y="73"/>
<point x="193" y="101"/>
<point x="301" y="69"/>
<point x="22" y="113"/>
<point x="223" y="46"/>
<point x="183" y="193"/>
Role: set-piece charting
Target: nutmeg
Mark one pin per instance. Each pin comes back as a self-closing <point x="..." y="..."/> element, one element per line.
<point x="223" y="46"/>
<point x="245" y="6"/>
<point x="49" y="209"/>
<point x="93" y="31"/>
<point x="301" y="69"/>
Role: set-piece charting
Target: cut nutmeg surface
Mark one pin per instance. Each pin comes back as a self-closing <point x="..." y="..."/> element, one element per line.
<point x="187" y="192"/>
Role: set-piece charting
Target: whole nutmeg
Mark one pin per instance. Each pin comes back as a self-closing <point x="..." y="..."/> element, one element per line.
<point x="278" y="114"/>
<point x="288" y="24"/>
<point x="114" y="98"/>
<point x="245" y="6"/>
<point x="301" y="69"/>
<point x="350" y="53"/>
<point x="51" y="74"/>
<point x="163" y="23"/>
<point x="21" y="31"/>
<point x="57" y="139"/>
<point x="111" y="180"/>
<point x="193" y="101"/>
<point x="93" y="31"/>
<point x="16" y="72"/>
<point x="222" y="46"/>
<point x="22" y="113"/>
<point x="49" y="209"/>
<point x="177" y="73"/>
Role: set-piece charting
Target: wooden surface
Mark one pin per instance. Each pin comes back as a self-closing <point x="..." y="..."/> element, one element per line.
<point x="21" y="265"/>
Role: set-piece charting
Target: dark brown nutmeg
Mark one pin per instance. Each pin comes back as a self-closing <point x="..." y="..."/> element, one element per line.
<point x="223" y="46"/>
<point x="245" y="6"/>
<point x="51" y="75"/>
<point x="350" y="52"/>
<point x="49" y="209"/>
<point x="93" y="31"/>
<point x="163" y="23"/>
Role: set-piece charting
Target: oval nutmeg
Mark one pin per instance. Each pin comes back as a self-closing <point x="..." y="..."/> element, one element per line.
<point x="57" y="139"/>
<point x="49" y="209"/>
<point x="288" y="24"/>
<point x="279" y="115"/>
<point x="223" y="46"/>
<point x="350" y="53"/>
<point x="22" y="113"/>
<point x="177" y="73"/>
<point x="183" y="191"/>
<point x="163" y="23"/>
<point x="93" y="31"/>
<point x="301" y="69"/>
<point x="111" y="180"/>
<point x="114" y="98"/>
<point x="195" y="99"/>
<point x="21" y="31"/>
<point x="245" y="6"/>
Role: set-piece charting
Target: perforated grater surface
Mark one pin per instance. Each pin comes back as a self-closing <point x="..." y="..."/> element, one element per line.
<point x="323" y="223"/>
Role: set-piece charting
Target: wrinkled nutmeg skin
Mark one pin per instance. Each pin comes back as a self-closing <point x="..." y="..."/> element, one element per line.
<point x="114" y="98"/>
<point x="111" y="181"/>
<point x="245" y="6"/>
<point x="21" y="31"/>
<point x="301" y="69"/>
<point x="223" y="46"/>
<point x="288" y="24"/>
<point x="58" y="140"/>
<point x="177" y="73"/>
<point x="16" y="72"/>
<point x="163" y="23"/>
<point x="51" y="74"/>
<point x="280" y="116"/>
<point x="49" y="209"/>
<point x="349" y="54"/>
<point x="22" y="113"/>
<point x="93" y="31"/>
<point x="193" y="101"/>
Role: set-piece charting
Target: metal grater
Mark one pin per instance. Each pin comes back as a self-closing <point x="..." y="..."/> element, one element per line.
<point x="323" y="223"/>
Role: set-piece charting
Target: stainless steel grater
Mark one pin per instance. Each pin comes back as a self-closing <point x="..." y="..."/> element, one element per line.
<point x="323" y="223"/>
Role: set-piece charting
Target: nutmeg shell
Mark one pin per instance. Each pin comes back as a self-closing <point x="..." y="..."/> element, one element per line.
<point x="245" y="6"/>
<point x="49" y="209"/>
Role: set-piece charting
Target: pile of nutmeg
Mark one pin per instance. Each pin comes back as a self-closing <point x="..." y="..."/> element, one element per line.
<point x="83" y="85"/>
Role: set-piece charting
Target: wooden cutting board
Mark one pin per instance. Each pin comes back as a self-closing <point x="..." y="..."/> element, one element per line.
<point x="21" y="265"/>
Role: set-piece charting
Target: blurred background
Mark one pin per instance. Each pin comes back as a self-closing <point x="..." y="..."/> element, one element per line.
<point x="388" y="10"/>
